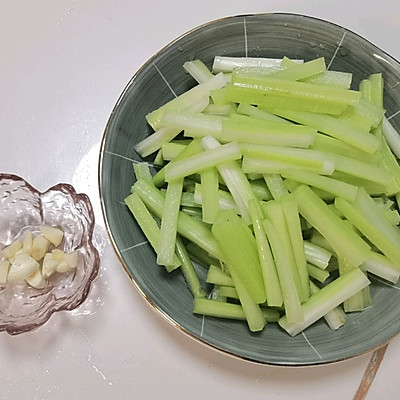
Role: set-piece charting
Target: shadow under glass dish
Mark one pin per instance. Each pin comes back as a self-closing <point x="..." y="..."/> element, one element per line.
<point x="263" y="35"/>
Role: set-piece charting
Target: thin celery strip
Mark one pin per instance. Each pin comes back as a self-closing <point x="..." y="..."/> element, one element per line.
<point x="222" y="110"/>
<point x="200" y="255"/>
<point x="171" y="150"/>
<point x="268" y="269"/>
<point x="188" y="270"/>
<point x="217" y="277"/>
<point x="194" y="212"/>
<point x="392" y="137"/>
<point x="333" y="127"/>
<point x="148" y="225"/>
<point x="260" y="189"/>
<point x="188" y="227"/>
<point x="187" y="200"/>
<point x="351" y="116"/>
<point x="381" y="266"/>
<point x="327" y="299"/>
<point x="370" y="111"/>
<point x="344" y="240"/>
<point x="239" y="248"/>
<point x="291" y="299"/>
<point x="158" y="159"/>
<point x="334" y="186"/>
<point x="316" y="254"/>
<point x="334" y="318"/>
<point x="318" y="240"/>
<point x="198" y="70"/>
<point x="225" y="199"/>
<point x="255" y="112"/>
<point x="318" y="274"/>
<point x="169" y="222"/>
<point x="210" y="198"/>
<point x="186" y="99"/>
<point x="142" y="171"/>
<point x="376" y="93"/>
<point x="332" y="78"/>
<point x="202" y="161"/>
<point x="234" y="179"/>
<point x="275" y="185"/>
<point x="229" y="292"/>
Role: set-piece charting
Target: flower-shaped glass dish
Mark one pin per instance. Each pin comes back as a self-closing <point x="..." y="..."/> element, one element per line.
<point x="22" y="307"/>
<point x="263" y="35"/>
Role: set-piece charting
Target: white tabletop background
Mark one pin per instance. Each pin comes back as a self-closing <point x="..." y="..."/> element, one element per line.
<point x="63" y="65"/>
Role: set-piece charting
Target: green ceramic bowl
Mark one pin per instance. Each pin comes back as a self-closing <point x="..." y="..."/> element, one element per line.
<point x="268" y="35"/>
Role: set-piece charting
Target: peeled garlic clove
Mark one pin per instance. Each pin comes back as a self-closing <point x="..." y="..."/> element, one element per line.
<point x="49" y="265"/>
<point x="27" y="243"/>
<point x="52" y="234"/>
<point x="58" y="255"/>
<point x="63" y="267"/>
<point x="72" y="259"/>
<point x="36" y="279"/>
<point x="23" y="266"/>
<point x="4" y="268"/>
<point x="10" y="250"/>
<point x="40" y="245"/>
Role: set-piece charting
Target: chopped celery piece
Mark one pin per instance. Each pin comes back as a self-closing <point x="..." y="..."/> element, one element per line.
<point x="275" y="185"/>
<point x="318" y="240"/>
<point x="225" y="199"/>
<point x="260" y="189"/>
<point x="392" y="137"/>
<point x="318" y="274"/>
<point x="187" y="200"/>
<point x="301" y="71"/>
<point x="222" y="110"/>
<point x="351" y="116"/>
<point x="331" y="78"/>
<point x="209" y="187"/>
<point x="376" y="94"/>
<point x="142" y="171"/>
<point x="200" y="255"/>
<point x="158" y="159"/>
<point x="169" y="222"/>
<point x="345" y="241"/>
<point x="239" y="248"/>
<point x="316" y="254"/>
<point x="334" y="186"/>
<point x="255" y="112"/>
<point x="217" y="277"/>
<point x="171" y="150"/>
<point x="200" y="162"/>
<point x="198" y="70"/>
<point x="229" y="292"/>
<point x="381" y="266"/>
<point x="327" y="299"/>
<point x="268" y="269"/>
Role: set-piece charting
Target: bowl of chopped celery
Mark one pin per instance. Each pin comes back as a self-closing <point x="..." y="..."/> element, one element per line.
<point x="250" y="186"/>
<point x="47" y="259"/>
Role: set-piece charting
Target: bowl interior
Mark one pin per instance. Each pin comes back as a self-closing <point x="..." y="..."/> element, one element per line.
<point x="264" y="35"/>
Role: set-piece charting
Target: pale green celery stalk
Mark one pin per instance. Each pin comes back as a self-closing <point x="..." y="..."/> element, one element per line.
<point x="229" y="292"/>
<point x="338" y="188"/>
<point x="359" y="301"/>
<point x="381" y="266"/>
<point x="142" y="171"/>
<point x="318" y="240"/>
<point x="252" y="177"/>
<point x="239" y="248"/>
<point x="198" y="70"/>
<point x="331" y="78"/>
<point x="292" y="185"/>
<point x="221" y="110"/>
<point x="365" y="89"/>
<point x="148" y="225"/>
<point x="194" y="212"/>
<point x="250" y="95"/>
<point x="392" y="137"/>
<point x="191" y="149"/>
<point x="220" y="309"/>
<point x="188" y="227"/>
<point x="265" y="166"/>
<point x="333" y="127"/>
<point x="225" y="199"/>
<point x="366" y="216"/>
<point x="372" y="112"/>
<point x="158" y="159"/>
<point x="186" y="99"/>
<point x="327" y="299"/>
<point x="169" y="222"/>
<point x="188" y="270"/>
<point x="345" y="241"/>
<point x="255" y="112"/>
<point x="376" y="91"/>
<point x="335" y="318"/>
<point x="275" y="185"/>
<point x="171" y="150"/>
<point x="392" y="216"/>
<point x="228" y="64"/>
<point x="293" y="225"/>
<point x="245" y="129"/>
<point x="200" y="255"/>
<point x="261" y="190"/>
<point x="187" y="200"/>
<point x="318" y="274"/>
<point x="316" y="254"/>
<point x="194" y="124"/>
<point x="290" y="294"/>
<point x="351" y="116"/>
<point x="234" y="179"/>
<point x="217" y="277"/>
<point x="268" y="269"/>
<point x="202" y="161"/>
<point x="210" y="197"/>
<point x="384" y="203"/>
<point x="215" y="295"/>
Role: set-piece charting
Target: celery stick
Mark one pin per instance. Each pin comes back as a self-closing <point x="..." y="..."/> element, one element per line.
<point x="202" y="161"/>
<point x="255" y="112"/>
<point x="200" y="255"/>
<point x="333" y="127"/>
<point x="292" y="185"/>
<point x="148" y="225"/>
<point x="171" y="150"/>
<point x="316" y="254"/>
<point x="261" y="190"/>
<point x="290" y="294"/>
<point x="229" y="292"/>
<point x="142" y="171"/>
<point x="239" y="248"/>
<point x="371" y="112"/>
<point x="346" y="242"/>
<point x="188" y="227"/>
<point x="392" y="216"/>
<point x="217" y="277"/>
<point x="188" y="270"/>
<point x="158" y="159"/>
<point x="318" y="274"/>
<point x="223" y="110"/>
<point x="225" y="199"/>
<point x="327" y="299"/>
<point x="194" y="212"/>
<point x="334" y="318"/>
<point x="338" y="188"/>
<point x="376" y="94"/>
<point x="198" y="70"/>
<point x="381" y="266"/>
<point x="392" y="137"/>
<point x="235" y="180"/>
<point x="169" y="222"/>
<point x="351" y="116"/>
<point x="187" y="200"/>
<point x="331" y="78"/>
<point x="268" y="269"/>
<point x="275" y="185"/>
<point x="186" y="99"/>
<point x="210" y="198"/>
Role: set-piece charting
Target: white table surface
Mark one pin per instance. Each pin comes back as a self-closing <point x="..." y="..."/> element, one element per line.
<point x="63" y="65"/>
